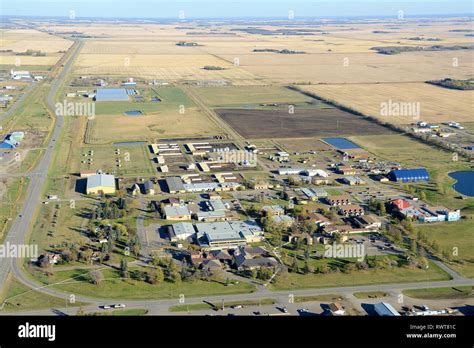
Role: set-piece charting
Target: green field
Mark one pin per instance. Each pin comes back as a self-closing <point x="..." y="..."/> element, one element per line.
<point x="121" y="312"/>
<point x="204" y="306"/>
<point x="113" y="287"/>
<point x="67" y="227"/>
<point x="21" y="298"/>
<point x="372" y="276"/>
<point x="171" y="99"/>
<point x="11" y="202"/>
<point x="318" y="298"/>
<point x="458" y="292"/>
<point x="248" y="96"/>
<point x="455" y="235"/>
<point x="370" y="294"/>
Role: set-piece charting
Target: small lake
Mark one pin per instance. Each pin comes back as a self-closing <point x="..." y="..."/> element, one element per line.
<point x="465" y="182"/>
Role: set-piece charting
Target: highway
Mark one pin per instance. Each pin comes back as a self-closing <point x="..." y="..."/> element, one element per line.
<point x="21" y="226"/>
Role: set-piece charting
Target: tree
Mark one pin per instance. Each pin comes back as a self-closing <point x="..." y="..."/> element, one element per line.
<point x="96" y="277"/>
<point x="413" y="246"/>
<point x="264" y="273"/>
<point x="294" y="265"/>
<point x="381" y="208"/>
<point x="124" y="268"/>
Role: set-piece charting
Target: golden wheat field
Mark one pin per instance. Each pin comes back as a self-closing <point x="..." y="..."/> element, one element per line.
<point x="436" y="103"/>
<point x="20" y="40"/>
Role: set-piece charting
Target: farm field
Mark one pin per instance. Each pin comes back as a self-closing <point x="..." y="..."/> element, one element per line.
<point x="227" y="97"/>
<point x="437" y="104"/>
<point x="193" y="123"/>
<point x="21" y="40"/>
<point x="171" y="67"/>
<point x="369" y="67"/>
<point x="258" y="124"/>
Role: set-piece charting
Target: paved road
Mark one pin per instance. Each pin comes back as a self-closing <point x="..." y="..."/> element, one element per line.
<point x="282" y="297"/>
<point x="23" y="222"/>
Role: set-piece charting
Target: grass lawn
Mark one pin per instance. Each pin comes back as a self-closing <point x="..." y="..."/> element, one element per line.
<point x="11" y="201"/>
<point x="248" y="95"/>
<point x="22" y="298"/>
<point x="121" y="312"/>
<point x="452" y="237"/>
<point x="318" y="298"/>
<point x="396" y="275"/>
<point x="113" y="287"/>
<point x="204" y="306"/>
<point x="458" y="292"/>
<point x="134" y="159"/>
<point x="370" y="294"/>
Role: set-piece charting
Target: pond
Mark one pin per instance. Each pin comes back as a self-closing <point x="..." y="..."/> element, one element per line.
<point x="465" y="182"/>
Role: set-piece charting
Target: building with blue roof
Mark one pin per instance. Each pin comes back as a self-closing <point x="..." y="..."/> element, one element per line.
<point x="409" y="175"/>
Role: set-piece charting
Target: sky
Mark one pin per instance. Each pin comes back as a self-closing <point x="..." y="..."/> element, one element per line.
<point x="189" y="9"/>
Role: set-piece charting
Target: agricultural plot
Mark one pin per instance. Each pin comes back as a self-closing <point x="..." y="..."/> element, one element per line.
<point x="242" y="97"/>
<point x="172" y="67"/>
<point x="258" y="124"/>
<point x="21" y="40"/>
<point x="436" y="104"/>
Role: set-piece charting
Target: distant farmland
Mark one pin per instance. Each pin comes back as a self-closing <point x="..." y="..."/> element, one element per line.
<point x="261" y="124"/>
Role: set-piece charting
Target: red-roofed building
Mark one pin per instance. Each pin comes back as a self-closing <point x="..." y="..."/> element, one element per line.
<point x="400" y="204"/>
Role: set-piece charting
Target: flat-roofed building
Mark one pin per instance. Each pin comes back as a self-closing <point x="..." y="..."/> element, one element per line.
<point x="181" y="231"/>
<point x="275" y="210"/>
<point x="228" y="234"/>
<point x="177" y="213"/>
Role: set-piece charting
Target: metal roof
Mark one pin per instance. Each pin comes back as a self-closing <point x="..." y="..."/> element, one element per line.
<point x="111" y="94"/>
<point x="174" y="184"/>
<point x="386" y="309"/>
<point x="410" y="174"/>
<point x="100" y="180"/>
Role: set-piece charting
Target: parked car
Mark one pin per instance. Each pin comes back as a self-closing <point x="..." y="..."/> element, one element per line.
<point x="119" y="305"/>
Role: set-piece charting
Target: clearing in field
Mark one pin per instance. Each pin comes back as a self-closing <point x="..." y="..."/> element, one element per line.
<point x="437" y="104"/>
<point x="261" y="124"/>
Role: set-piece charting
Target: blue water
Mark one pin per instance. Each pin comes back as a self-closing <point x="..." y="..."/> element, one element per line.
<point x="341" y="143"/>
<point x="465" y="182"/>
<point x="126" y="143"/>
<point x="133" y="113"/>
